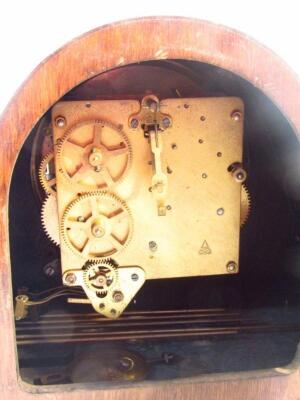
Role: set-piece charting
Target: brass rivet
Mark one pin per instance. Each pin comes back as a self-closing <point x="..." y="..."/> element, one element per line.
<point x="60" y="121"/>
<point x="70" y="278"/>
<point x="118" y="296"/>
<point x="231" y="266"/>
<point x="236" y="115"/>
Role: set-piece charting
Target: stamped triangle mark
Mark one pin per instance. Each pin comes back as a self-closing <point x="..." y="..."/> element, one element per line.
<point x="204" y="249"/>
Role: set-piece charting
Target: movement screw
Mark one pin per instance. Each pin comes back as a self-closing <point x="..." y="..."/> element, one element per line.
<point x="231" y="266"/>
<point x="70" y="279"/>
<point x="60" y="121"/>
<point x="236" y="115"/>
<point x="166" y="122"/>
<point x="134" y="123"/>
<point x="118" y="296"/>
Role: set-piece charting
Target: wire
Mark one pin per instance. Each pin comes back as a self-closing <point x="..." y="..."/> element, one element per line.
<point x="60" y="293"/>
<point x="44" y="292"/>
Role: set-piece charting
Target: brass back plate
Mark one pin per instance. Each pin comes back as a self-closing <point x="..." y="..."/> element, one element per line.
<point x="199" y="234"/>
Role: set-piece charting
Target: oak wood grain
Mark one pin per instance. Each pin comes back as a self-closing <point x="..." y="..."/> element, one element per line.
<point x="97" y="51"/>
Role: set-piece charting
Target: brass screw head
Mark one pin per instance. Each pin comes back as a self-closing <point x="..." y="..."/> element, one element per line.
<point x="236" y="115"/>
<point x="231" y="267"/>
<point x="70" y="278"/>
<point x="60" y="121"/>
<point x="118" y="296"/>
<point x="240" y="175"/>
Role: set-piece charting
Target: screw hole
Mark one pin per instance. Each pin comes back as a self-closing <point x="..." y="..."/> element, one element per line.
<point x="152" y="245"/>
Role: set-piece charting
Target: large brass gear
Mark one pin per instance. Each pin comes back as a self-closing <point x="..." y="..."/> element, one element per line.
<point x="97" y="225"/>
<point x="94" y="155"/>
<point x="100" y="277"/>
<point x="49" y="217"/>
<point x="47" y="174"/>
<point x="245" y="205"/>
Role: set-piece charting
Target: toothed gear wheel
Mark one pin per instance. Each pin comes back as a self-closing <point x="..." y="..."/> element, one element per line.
<point x="245" y="205"/>
<point x="97" y="225"/>
<point x="100" y="276"/>
<point x="47" y="174"/>
<point x="49" y="217"/>
<point x="94" y="155"/>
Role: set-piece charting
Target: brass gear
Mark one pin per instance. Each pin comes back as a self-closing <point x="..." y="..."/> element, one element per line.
<point x="94" y="155"/>
<point x="47" y="174"/>
<point x="97" y="225"/>
<point x="245" y="205"/>
<point x="49" y="217"/>
<point x="100" y="276"/>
